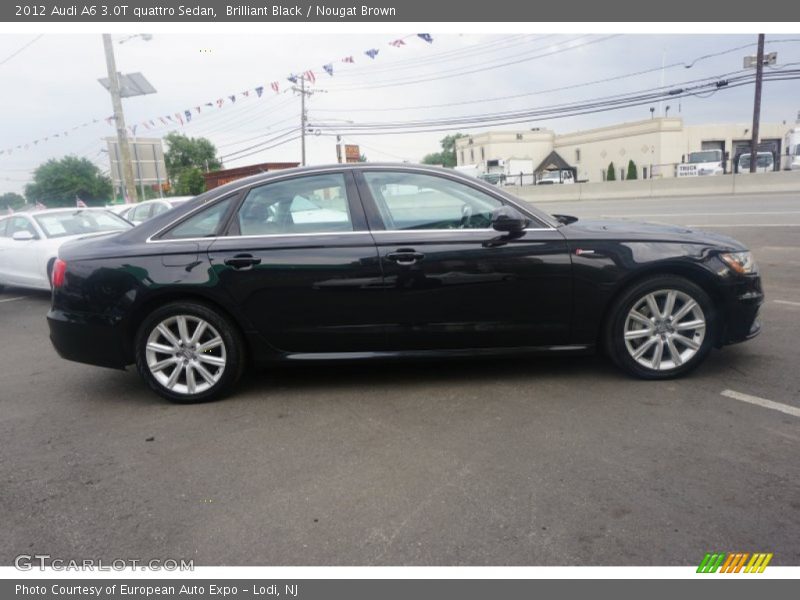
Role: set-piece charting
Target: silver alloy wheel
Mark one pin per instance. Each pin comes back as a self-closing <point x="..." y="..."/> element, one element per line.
<point x="664" y="329"/>
<point x="185" y="354"/>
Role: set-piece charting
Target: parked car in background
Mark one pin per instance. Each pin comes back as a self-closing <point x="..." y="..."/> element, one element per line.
<point x="765" y="163"/>
<point x="143" y="211"/>
<point x="553" y="177"/>
<point x="29" y="241"/>
<point x="369" y="261"/>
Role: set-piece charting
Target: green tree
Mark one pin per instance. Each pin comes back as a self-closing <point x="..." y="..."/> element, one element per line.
<point x="59" y="182"/>
<point x="611" y="174"/>
<point x="190" y="182"/>
<point x="447" y="157"/>
<point x="11" y="200"/>
<point x="186" y="159"/>
<point x="632" y="171"/>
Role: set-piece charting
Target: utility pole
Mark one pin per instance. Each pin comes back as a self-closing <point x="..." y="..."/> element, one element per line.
<point x="303" y="121"/>
<point x="125" y="165"/>
<point x="757" y="104"/>
<point x="303" y="114"/>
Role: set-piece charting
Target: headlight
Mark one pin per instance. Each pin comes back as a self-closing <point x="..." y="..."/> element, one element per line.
<point x="740" y="262"/>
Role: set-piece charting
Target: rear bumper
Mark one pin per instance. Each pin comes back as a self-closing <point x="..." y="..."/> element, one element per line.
<point x="88" y="339"/>
<point x="743" y="320"/>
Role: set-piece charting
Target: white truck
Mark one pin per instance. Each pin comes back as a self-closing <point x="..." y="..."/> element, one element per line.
<point x="702" y="163"/>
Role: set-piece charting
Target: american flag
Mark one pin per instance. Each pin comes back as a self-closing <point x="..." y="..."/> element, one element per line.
<point x="275" y="86"/>
<point x="80" y="203"/>
<point x="309" y="76"/>
<point x="348" y="59"/>
<point x="397" y="43"/>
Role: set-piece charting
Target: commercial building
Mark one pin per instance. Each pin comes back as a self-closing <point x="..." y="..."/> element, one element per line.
<point x="656" y="146"/>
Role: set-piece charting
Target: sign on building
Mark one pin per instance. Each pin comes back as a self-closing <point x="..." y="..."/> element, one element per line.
<point x="352" y="153"/>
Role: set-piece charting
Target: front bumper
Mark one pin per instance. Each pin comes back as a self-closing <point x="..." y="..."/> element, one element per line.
<point x="743" y="309"/>
<point x="88" y="339"/>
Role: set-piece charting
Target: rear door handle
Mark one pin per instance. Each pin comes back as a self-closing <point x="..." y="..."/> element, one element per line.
<point x="405" y="256"/>
<point x="242" y="261"/>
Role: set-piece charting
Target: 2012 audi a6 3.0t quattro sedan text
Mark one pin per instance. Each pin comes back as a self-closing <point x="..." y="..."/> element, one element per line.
<point x="377" y="261"/>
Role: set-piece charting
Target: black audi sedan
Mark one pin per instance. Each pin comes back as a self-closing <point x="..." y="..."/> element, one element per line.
<point x="374" y="261"/>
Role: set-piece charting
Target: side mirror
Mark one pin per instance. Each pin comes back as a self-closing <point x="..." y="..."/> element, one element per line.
<point x="508" y="220"/>
<point x="22" y="236"/>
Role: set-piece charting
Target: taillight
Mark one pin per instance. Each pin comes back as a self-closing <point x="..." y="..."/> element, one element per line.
<point x="59" y="270"/>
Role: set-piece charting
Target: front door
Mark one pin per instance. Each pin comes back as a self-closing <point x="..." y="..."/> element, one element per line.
<point x="450" y="281"/>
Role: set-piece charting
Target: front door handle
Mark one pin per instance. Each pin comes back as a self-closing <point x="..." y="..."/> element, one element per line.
<point x="405" y="256"/>
<point x="242" y="261"/>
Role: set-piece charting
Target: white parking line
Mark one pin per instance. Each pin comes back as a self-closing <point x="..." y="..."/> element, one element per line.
<point x="12" y="299"/>
<point x="789" y="302"/>
<point x="763" y="402"/>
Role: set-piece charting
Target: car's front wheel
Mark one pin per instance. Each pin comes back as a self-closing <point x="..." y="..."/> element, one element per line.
<point x="661" y="328"/>
<point x="188" y="352"/>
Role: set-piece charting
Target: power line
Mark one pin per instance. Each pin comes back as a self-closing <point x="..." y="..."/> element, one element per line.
<point x="21" y="49"/>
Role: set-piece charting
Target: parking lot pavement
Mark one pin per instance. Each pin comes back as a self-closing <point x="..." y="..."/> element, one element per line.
<point x="531" y="461"/>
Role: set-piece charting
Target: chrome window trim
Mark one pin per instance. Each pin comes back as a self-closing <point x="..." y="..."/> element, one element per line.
<point x="365" y="166"/>
<point x="336" y="233"/>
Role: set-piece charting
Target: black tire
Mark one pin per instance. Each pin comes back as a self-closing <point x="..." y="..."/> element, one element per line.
<point x="614" y="333"/>
<point x="232" y="350"/>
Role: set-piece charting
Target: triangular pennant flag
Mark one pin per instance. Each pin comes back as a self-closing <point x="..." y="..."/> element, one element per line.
<point x="152" y="123"/>
<point x="397" y="43"/>
<point x="109" y="119"/>
<point x="259" y="91"/>
<point x="275" y="86"/>
<point x="211" y="104"/>
<point x="372" y="52"/>
<point x="163" y="120"/>
<point x="179" y="117"/>
<point x="348" y="59"/>
<point x="197" y="108"/>
<point x="425" y="36"/>
<point x="246" y="93"/>
<point x="188" y="114"/>
<point x="220" y="102"/>
<point x="328" y="69"/>
<point x="292" y="78"/>
<point x="232" y="97"/>
<point x="309" y="76"/>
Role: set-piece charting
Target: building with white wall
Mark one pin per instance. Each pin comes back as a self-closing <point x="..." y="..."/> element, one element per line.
<point x="656" y="146"/>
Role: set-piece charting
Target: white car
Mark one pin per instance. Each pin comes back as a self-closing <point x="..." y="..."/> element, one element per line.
<point x="553" y="177"/>
<point x="765" y="163"/>
<point x="29" y="241"/>
<point x="142" y="211"/>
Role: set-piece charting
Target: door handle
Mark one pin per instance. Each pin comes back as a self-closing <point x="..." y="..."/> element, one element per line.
<point x="405" y="257"/>
<point x="242" y="261"/>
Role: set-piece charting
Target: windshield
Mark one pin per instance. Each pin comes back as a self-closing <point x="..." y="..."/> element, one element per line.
<point x="705" y="156"/>
<point x="64" y="223"/>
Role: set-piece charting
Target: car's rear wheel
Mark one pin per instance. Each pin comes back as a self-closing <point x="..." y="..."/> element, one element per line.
<point x="188" y="352"/>
<point x="660" y="328"/>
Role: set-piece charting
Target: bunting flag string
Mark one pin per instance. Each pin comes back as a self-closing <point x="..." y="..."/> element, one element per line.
<point x="185" y="116"/>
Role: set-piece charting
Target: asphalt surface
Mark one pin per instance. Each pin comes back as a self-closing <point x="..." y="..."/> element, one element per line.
<point x="532" y="461"/>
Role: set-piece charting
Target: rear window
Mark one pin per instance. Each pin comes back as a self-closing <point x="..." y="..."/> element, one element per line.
<point x="61" y="224"/>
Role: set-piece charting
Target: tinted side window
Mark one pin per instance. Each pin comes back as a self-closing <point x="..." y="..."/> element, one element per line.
<point x="417" y="201"/>
<point x="205" y="223"/>
<point x="313" y="204"/>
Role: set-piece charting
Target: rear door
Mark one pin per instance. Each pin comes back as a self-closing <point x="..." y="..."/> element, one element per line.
<point x="299" y="261"/>
<point x="451" y="281"/>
